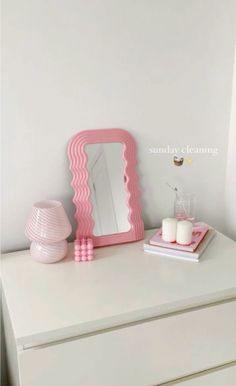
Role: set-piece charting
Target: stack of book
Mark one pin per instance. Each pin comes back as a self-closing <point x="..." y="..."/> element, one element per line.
<point x="202" y="235"/>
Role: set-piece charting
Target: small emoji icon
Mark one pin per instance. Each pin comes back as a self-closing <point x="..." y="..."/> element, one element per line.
<point x="189" y="161"/>
<point x="178" y="161"/>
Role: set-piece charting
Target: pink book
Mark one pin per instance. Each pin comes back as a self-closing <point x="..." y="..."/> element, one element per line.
<point x="199" y="231"/>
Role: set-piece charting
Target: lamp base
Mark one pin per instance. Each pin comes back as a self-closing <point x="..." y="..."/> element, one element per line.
<point x="48" y="253"/>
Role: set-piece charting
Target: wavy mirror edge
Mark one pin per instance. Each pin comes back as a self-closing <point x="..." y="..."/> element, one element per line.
<point x="80" y="184"/>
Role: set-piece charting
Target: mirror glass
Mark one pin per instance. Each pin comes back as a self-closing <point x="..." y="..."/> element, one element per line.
<point x="107" y="186"/>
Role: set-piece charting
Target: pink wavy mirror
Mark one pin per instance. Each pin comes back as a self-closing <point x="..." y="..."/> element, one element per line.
<point x="105" y="182"/>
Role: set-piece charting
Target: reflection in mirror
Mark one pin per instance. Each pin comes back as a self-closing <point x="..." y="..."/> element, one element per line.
<point x="107" y="188"/>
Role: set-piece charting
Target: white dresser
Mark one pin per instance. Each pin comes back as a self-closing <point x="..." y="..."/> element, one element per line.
<point x="124" y="319"/>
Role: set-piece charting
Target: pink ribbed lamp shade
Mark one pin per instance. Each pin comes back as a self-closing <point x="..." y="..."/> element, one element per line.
<point x="47" y="227"/>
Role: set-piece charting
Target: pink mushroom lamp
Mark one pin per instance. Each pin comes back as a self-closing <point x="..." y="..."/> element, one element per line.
<point x="48" y="227"/>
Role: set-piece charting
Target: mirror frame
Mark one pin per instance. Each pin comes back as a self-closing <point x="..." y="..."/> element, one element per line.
<point x="80" y="184"/>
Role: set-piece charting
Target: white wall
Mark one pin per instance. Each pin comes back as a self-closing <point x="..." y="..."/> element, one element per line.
<point x="3" y="372"/>
<point x="231" y="166"/>
<point x="159" y="68"/>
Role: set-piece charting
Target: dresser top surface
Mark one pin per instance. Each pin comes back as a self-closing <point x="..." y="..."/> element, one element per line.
<point x="122" y="285"/>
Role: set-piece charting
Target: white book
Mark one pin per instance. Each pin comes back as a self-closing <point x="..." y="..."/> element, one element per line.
<point x="190" y="256"/>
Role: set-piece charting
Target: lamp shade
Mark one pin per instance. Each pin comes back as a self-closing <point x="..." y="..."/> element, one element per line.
<point x="48" y="222"/>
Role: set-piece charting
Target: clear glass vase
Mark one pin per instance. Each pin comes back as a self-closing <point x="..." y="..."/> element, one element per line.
<point x="185" y="206"/>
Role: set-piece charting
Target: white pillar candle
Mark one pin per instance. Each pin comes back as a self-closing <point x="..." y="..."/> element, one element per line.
<point x="169" y="229"/>
<point x="184" y="232"/>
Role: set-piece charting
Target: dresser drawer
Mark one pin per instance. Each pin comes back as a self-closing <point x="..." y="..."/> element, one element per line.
<point x="143" y="354"/>
<point x="221" y="377"/>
